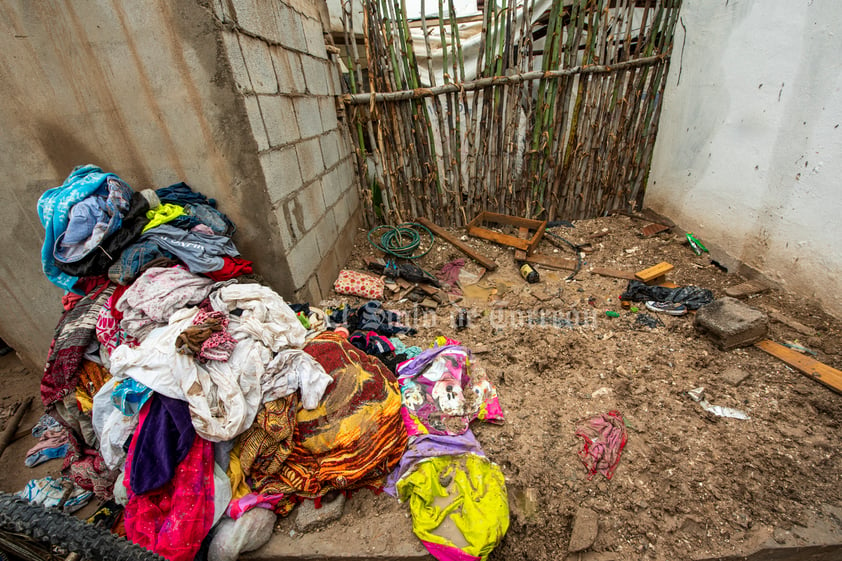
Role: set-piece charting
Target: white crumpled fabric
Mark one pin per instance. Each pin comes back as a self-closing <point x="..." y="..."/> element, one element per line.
<point x="224" y="397"/>
<point x="291" y="370"/>
<point x="153" y="298"/>
<point x="266" y="317"/>
<point x="111" y="426"/>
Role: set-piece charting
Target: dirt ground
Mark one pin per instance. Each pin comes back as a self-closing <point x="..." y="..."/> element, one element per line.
<point x="689" y="485"/>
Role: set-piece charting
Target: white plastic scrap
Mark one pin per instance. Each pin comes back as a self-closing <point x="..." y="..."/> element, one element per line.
<point x="698" y="395"/>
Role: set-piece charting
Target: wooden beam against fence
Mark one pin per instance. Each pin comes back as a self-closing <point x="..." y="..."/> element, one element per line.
<point x="482" y="83"/>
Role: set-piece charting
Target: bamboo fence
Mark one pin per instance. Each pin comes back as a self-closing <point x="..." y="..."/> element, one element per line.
<point x="558" y="119"/>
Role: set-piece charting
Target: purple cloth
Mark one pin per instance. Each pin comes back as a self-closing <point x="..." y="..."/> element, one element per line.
<point x="163" y="442"/>
<point x="418" y="364"/>
<point x="430" y="446"/>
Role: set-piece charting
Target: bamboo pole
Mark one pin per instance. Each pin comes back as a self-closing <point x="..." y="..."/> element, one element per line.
<point x="493" y="81"/>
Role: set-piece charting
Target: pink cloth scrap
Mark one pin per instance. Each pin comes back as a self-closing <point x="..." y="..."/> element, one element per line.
<point x="238" y="507"/>
<point x="449" y="274"/>
<point x="604" y="437"/>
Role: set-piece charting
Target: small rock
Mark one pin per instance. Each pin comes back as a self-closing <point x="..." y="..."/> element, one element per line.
<point x="310" y="518"/>
<point x="541" y="294"/>
<point x="780" y="535"/>
<point x="734" y="376"/>
<point x="601" y="391"/>
<point x="585" y="529"/>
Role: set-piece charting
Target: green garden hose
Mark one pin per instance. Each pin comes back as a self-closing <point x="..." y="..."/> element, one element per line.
<point x="401" y="241"/>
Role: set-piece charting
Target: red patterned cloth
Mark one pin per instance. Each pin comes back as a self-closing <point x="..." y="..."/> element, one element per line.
<point x="74" y="332"/>
<point x="86" y="468"/>
<point x="233" y="267"/>
<point x="173" y="520"/>
<point x="604" y="437"/>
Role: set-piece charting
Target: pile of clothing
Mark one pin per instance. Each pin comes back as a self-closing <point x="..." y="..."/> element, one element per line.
<point x="185" y="389"/>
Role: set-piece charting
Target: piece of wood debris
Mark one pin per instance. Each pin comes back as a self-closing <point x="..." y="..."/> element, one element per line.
<point x="613" y="273"/>
<point x="814" y="369"/>
<point x="746" y="289"/>
<point x="458" y="244"/>
<point x="775" y="315"/>
<point x="552" y="262"/>
<point x="652" y="229"/>
<point x="429" y="303"/>
<point x="655" y="274"/>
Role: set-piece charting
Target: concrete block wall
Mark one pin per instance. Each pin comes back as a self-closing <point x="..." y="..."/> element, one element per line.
<point x="289" y="82"/>
<point x="234" y="97"/>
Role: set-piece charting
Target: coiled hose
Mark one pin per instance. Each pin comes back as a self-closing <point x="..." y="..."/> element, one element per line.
<point x="401" y="241"/>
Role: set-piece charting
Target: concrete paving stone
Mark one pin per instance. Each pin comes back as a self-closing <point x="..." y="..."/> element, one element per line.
<point x="259" y="65"/>
<point x="731" y="324"/>
<point x="585" y="530"/>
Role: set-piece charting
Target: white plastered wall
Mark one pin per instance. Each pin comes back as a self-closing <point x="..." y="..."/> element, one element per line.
<point x="749" y="152"/>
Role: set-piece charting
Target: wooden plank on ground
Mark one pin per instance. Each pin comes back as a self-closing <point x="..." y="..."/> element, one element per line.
<point x="748" y="288"/>
<point x="458" y="244"/>
<point x="613" y="273"/>
<point x="552" y="262"/>
<point x="520" y="254"/>
<point x="475" y="228"/>
<point x="651" y="229"/>
<point x="775" y="315"/>
<point x="814" y="369"/>
<point x="654" y="272"/>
